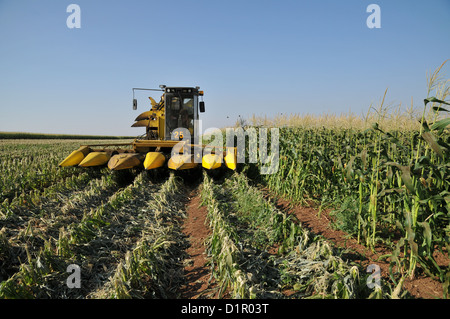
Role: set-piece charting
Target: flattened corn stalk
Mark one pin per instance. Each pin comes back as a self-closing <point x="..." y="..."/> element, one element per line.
<point x="148" y="270"/>
<point x="45" y="271"/>
<point x="38" y="242"/>
<point x="306" y="263"/>
<point x="226" y="255"/>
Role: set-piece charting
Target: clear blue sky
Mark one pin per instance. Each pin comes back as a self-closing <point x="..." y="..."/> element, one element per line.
<point x="249" y="56"/>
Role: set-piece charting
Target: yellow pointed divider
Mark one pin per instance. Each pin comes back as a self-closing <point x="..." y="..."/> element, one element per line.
<point x="95" y="159"/>
<point x="125" y="161"/>
<point x="154" y="160"/>
<point x="75" y="157"/>
<point x="211" y="161"/>
<point x="231" y="158"/>
<point x="180" y="161"/>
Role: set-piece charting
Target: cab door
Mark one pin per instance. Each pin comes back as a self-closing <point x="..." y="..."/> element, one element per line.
<point x="181" y="111"/>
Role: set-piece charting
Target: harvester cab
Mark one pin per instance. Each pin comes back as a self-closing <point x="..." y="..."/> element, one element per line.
<point x="171" y="138"/>
<point x="174" y="116"/>
<point x="181" y="112"/>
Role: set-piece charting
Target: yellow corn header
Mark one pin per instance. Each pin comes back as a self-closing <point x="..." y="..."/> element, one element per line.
<point x="171" y="138"/>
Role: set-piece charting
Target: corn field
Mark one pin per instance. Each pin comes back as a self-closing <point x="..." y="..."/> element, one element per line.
<point x="124" y="230"/>
<point x="380" y="185"/>
<point x="384" y="186"/>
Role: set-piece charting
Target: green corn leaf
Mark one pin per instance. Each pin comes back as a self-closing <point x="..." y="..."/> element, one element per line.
<point x="439" y="109"/>
<point x="364" y="157"/>
<point x="396" y="252"/>
<point x="427" y="234"/>
<point x="375" y="126"/>
<point x="399" y="225"/>
<point x="431" y="140"/>
<point x="406" y="176"/>
<point x="229" y="260"/>
<point x="349" y="167"/>
<point x="435" y="100"/>
<point x="446" y="285"/>
<point x="439" y="125"/>
<point x="424" y="125"/>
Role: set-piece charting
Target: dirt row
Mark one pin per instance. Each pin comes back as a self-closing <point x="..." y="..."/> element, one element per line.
<point x="197" y="271"/>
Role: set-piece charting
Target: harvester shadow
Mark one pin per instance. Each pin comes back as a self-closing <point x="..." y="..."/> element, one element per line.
<point x="219" y="175"/>
<point x="190" y="177"/>
<point x="125" y="177"/>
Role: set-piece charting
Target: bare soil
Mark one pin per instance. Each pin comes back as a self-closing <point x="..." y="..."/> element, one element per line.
<point x="199" y="283"/>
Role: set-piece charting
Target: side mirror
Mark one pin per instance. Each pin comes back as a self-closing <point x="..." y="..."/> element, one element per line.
<point x="202" y="106"/>
<point x="134" y="104"/>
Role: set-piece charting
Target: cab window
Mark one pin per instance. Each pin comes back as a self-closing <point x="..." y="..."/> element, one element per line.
<point x="175" y="103"/>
